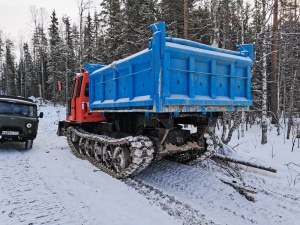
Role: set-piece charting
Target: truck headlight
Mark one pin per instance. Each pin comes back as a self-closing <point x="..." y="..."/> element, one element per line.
<point x="28" y="125"/>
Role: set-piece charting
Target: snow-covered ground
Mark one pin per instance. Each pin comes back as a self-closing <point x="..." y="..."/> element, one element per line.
<point x="49" y="185"/>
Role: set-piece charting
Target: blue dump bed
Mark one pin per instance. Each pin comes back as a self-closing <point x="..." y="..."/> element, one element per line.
<point x="173" y="75"/>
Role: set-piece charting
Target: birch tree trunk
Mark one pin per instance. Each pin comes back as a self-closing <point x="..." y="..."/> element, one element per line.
<point x="43" y="81"/>
<point x="83" y="5"/>
<point x="42" y="50"/>
<point x="54" y="87"/>
<point x="243" y="124"/>
<point x="290" y="122"/>
<point x="264" y="125"/>
<point x="40" y="91"/>
<point x="186" y="19"/>
<point x="274" y="95"/>
<point x="278" y="92"/>
<point x="215" y="33"/>
<point x="242" y="42"/>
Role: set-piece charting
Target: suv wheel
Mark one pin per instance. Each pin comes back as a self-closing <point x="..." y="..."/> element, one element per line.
<point x="28" y="144"/>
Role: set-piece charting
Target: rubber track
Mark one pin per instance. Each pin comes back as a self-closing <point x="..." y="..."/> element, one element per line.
<point x="141" y="151"/>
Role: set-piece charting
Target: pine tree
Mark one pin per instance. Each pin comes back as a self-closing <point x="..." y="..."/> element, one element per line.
<point x="18" y="82"/>
<point x="76" y="46"/>
<point x="171" y="12"/>
<point x="201" y="26"/>
<point x="99" y="40"/>
<point x="42" y="59"/>
<point x="28" y="71"/>
<point x="138" y="15"/>
<point x="69" y="56"/>
<point x="88" y="41"/>
<point x="21" y="71"/>
<point x="54" y="57"/>
<point x="9" y="69"/>
<point x="96" y="27"/>
<point x="35" y="75"/>
<point x="112" y="17"/>
<point x="83" y="5"/>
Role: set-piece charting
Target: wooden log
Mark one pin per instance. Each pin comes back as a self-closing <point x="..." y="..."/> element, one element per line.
<point x="229" y="159"/>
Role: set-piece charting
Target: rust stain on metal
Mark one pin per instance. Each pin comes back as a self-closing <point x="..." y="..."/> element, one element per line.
<point x="171" y="147"/>
<point x="165" y="136"/>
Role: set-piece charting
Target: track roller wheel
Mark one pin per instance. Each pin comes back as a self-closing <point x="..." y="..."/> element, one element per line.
<point x="89" y="148"/>
<point x="81" y="147"/>
<point x="107" y="156"/>
<point x="98" y="151"/>
<point x="120" y="158"/>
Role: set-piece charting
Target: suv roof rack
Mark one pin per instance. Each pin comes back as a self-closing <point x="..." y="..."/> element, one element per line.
<point x="17" y="98"/>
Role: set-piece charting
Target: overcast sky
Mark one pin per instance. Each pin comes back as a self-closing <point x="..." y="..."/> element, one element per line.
<point x="15" y="16"/>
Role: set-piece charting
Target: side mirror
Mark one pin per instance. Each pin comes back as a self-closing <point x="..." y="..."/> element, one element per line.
<point x="41" y="115"/>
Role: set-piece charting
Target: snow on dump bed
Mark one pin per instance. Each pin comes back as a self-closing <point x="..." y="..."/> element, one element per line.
<point x="209" y="52"/>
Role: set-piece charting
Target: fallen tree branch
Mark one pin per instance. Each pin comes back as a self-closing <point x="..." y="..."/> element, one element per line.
<point x="242" y="191"/>
<point x="228" y="159"/>
<point x="240" y="188"/>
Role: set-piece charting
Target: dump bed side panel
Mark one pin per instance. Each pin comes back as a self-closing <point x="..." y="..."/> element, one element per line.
<point x="174" y="75"/>
<point x="125" y="84"/>
<point x="194" y="77"/>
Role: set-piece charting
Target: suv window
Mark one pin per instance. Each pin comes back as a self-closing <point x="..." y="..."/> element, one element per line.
<point x="17" y="109"/>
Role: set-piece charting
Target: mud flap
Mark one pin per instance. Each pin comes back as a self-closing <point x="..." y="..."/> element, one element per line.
<point x="61" y="128"/>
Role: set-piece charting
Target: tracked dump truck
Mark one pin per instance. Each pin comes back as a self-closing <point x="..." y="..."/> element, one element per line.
<point x="124" y="115"/>
<point x="18" y="120"/>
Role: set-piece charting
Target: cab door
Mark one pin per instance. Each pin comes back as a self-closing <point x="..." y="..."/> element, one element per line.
<point x="73" y="109"/>
<point x="75" y="102"/>
<point x="77" y="99"/>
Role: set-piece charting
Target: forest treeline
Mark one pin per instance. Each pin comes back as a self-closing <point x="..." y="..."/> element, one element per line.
<point x="59" y="47"/>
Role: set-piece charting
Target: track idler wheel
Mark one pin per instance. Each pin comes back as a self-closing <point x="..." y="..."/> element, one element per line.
<point x="74" y="137"/>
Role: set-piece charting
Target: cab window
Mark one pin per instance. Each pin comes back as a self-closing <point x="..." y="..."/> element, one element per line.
<point x="79" y="84"/>
<point x="86" y="90"/>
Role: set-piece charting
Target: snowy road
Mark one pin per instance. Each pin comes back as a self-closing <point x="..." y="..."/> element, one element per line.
<point x="25" y="197"/>
<point x="49" y="185"/>
<point x="41" y="188"/>
<point x="219" y="202"/>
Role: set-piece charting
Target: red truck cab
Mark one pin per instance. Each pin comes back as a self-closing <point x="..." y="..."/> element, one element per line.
<point x="78" y="108"/>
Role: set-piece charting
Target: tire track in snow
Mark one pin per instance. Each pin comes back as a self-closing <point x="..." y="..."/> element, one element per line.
<point x="24" y="196"/>
<point x="205" y="193"/>
<point x="180" y="211"/>
<point x="191" y="186"/>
